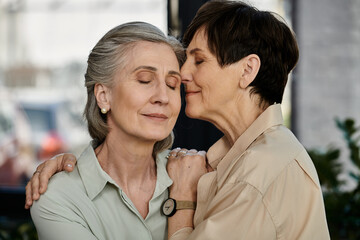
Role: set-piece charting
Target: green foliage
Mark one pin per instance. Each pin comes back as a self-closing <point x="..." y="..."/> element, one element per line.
<point x="349" y="130"/>
<point x="342" y="207"/>
<point x="21" y="230"/>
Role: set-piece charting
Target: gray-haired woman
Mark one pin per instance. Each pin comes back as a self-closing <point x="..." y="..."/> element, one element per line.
<point x="120" y="181"/>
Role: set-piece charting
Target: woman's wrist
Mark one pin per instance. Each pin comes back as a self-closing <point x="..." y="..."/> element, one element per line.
<point x="183" y="195"/>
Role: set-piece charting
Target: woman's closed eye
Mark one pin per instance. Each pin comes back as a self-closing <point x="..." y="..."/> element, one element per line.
<point x="173" y="82"/>
<point x="172" y="86"/>
<point x="145" y="77"/>
<point x="199" y="61"/>
<point x="144" y="81"/>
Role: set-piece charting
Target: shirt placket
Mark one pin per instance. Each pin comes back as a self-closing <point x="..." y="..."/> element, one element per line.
<point x="128" y="203"/>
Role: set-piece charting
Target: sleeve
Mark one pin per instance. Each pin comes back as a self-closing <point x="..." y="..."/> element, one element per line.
<point x="57" y="222"/>
<point x="236" y="212"/>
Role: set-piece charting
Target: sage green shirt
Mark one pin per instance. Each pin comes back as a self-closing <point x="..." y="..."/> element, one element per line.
<point x="88" y="204"/>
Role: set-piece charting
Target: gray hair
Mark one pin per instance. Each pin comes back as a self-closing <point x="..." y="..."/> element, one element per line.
<point x="108" y="55"/>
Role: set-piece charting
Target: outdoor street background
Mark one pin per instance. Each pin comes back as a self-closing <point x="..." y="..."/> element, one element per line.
<point x="44" y="46"/>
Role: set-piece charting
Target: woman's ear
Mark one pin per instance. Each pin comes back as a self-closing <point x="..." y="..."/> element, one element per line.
<point x="251" y="66"/>
<point x="102" y="94"/>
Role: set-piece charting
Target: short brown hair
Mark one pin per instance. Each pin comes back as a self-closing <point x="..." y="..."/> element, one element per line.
<point x="235" y="30"/>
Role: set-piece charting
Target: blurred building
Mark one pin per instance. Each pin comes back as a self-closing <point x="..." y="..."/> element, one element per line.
<point x="327" y="78"/>
<point x="44" y="46"/>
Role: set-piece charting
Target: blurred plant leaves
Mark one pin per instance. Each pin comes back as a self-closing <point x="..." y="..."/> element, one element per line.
<point x="342" y="207"/>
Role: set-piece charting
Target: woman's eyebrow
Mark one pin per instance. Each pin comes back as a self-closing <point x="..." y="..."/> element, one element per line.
<point x="193" y="51"/>
<point x="154" y="69"/>
<point x="174" y="73"/>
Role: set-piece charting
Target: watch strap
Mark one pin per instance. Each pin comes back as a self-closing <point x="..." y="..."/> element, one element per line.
<point x="185" y="205"/>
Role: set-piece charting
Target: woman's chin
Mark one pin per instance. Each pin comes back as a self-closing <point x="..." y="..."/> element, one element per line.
<point x="156" y="137"/>
<point x="191" y="113"/>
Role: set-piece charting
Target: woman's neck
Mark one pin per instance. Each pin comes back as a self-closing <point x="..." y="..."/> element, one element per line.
<point x="131" y="165"/>
<point x="237" y="117"/>
<point x="127" y="161"/>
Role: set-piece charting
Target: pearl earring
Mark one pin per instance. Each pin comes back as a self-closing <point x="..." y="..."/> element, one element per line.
<point x="103" y="111"/>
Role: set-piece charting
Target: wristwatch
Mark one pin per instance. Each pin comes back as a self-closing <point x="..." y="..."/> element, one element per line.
<point x="170" y="206"/>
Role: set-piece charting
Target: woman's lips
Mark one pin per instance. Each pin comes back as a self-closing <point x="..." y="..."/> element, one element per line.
<point x="189" y="93"/>
<point x="156" y="116"/>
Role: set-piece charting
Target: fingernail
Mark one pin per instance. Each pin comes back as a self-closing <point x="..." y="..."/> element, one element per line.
<point x="69" y="165"/>
<point x="203" y="153"/>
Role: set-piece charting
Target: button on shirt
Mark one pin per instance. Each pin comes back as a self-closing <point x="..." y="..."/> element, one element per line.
<point x="88" y="204"/>
<point x="265" y="186"/>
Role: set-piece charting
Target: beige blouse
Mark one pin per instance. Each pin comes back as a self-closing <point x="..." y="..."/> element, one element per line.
<point x="263" y="187"/>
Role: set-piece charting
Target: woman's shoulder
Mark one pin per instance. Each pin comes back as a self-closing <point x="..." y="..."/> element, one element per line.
<point x="63" y="199"/>
<point x="65" y="182"/>
<point x="70" y="183"/>
<point x="64" y="203"/>
<point x="268" y="156"/>
<point x="63" y="186"/>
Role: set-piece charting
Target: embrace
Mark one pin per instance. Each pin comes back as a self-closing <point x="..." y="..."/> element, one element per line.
<point x="256" y="182"/>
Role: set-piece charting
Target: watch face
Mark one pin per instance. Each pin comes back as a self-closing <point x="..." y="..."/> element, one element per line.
<point x="168" y="207"/>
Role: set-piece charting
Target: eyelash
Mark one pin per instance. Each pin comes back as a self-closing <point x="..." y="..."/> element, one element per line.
<point x="147" y="82"/>
<point x="172" y="88"/>
<point x="144" y="82"/>
<point x="199" y="62"/>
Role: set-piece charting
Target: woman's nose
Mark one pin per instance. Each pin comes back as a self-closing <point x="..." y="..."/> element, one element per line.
<point x="160" y="94"/>
<point x="185" y="72"/>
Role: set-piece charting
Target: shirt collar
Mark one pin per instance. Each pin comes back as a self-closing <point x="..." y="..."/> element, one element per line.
<point x="95" y="178"/>
<point x="91" y="173"/>
<point x="222" y="155"/>
<point x="163" y="180"/>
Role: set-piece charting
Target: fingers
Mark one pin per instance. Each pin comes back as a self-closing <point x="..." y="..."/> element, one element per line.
<point x="208" y="167"/>
<point x="32" y="192"/>
<point x="48" y="168"/>
<point x="68" y="162"/>
<point x="28" y="197"/>
<point x="39" y="181"/>
<point x="173" y="153"/>
<point x="34" y="182"/>
<point x="185" y="167"/>
<point x="56" y="164"/>
<point x="202" y="153"/>
<point x="181" y="152"/>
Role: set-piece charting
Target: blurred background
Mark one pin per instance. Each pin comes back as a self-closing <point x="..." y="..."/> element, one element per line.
<point x="44" y="46"/>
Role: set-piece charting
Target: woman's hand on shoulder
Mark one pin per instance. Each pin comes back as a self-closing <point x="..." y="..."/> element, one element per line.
<point x="185" y="167"/>
<point x="39" y="181"/>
